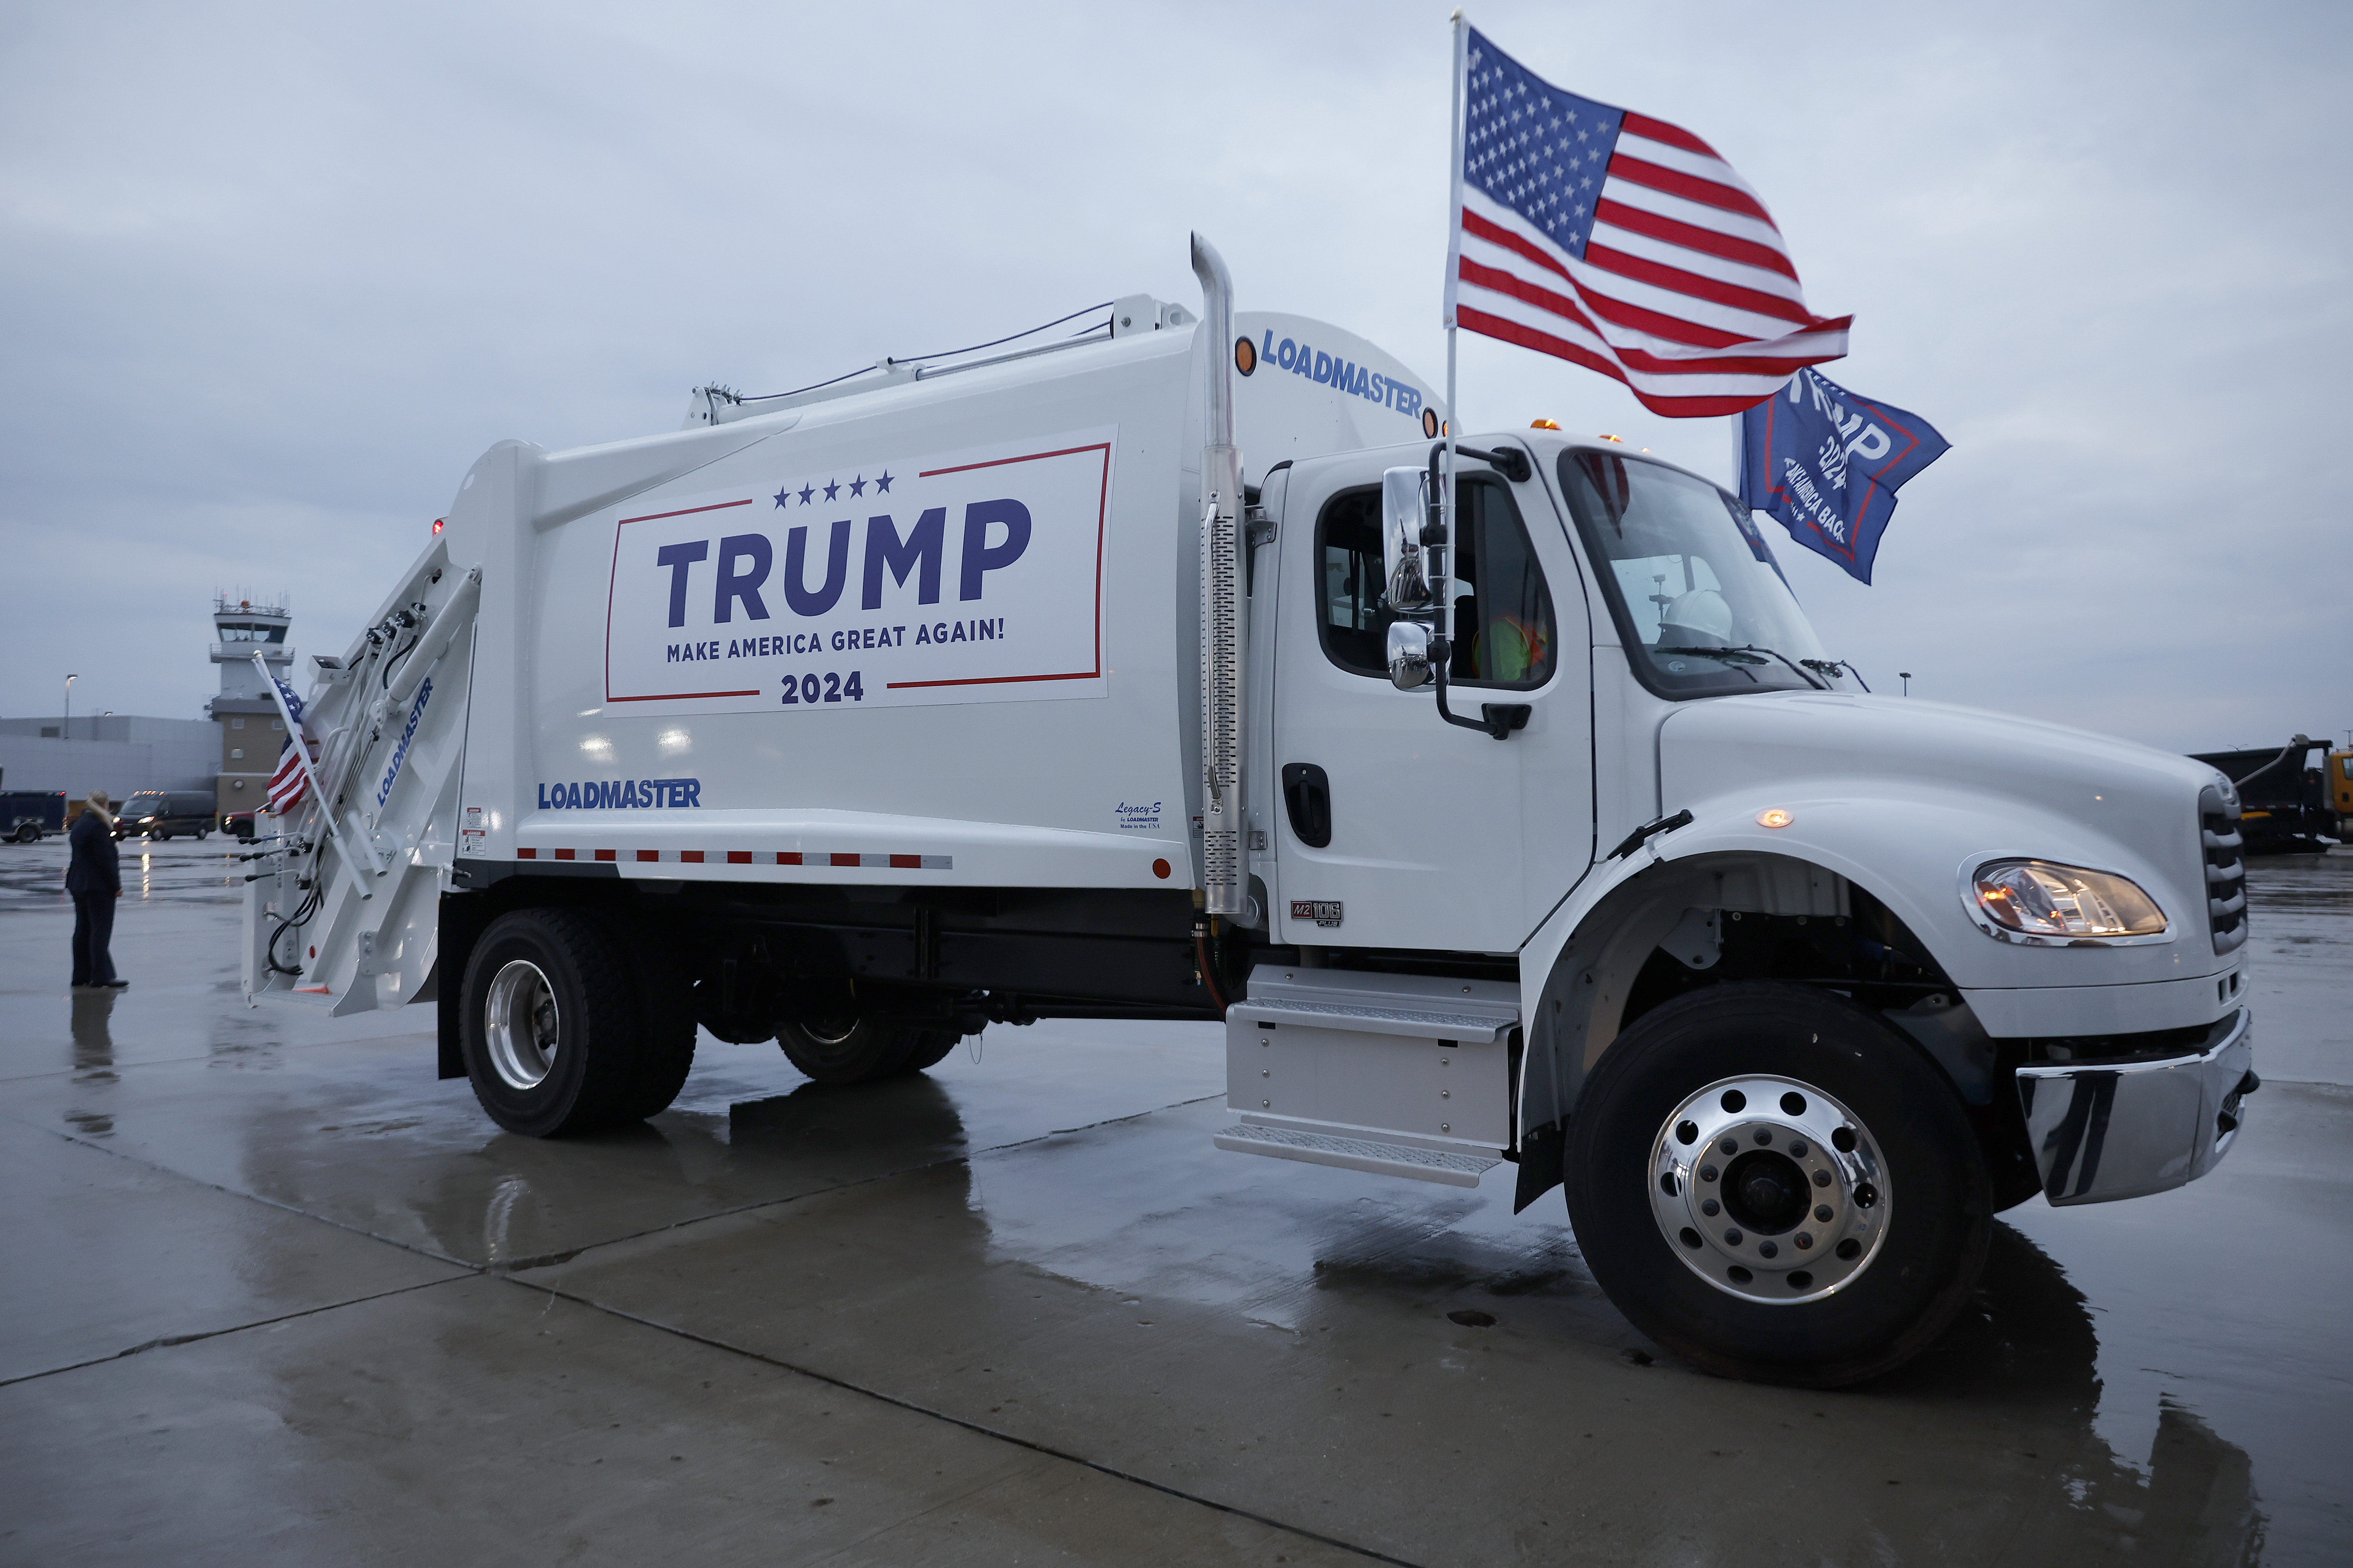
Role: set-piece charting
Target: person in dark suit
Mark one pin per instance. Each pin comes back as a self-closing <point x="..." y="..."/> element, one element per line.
<point x="94" y="878"/>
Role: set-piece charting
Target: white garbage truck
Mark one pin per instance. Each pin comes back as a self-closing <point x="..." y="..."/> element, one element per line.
<point x="1492" y="791"/>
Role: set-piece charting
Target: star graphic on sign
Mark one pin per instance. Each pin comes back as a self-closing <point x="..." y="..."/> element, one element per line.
<point x="784" y="495"/>
<point x="858" y="486"/>
<point x="882" y="485"/>
<point x="832" y="489"/>
<point x="806" y="491"/>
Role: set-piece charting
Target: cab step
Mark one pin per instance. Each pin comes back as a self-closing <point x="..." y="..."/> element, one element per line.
<point x="1441" y="1166"/>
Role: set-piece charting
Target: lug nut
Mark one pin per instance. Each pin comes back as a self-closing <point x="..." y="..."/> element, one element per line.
<point x="1803" y="1239"/>
<point x="1763" y="1137"/>
<point x="1823" y="1213"/>
<point x="1797" y="1149"/>
<point x="1732" y="1238"/>
<point x="1708" y="1172"/>
<point x="1710" y="1207"/>
<point x="1766" y="1249"/>
<point x="1821" y="1178"/>
<point x="1729" y="1147"/>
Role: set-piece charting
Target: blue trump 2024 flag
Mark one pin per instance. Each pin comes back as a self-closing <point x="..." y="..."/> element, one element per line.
<point x="1827" y="465"/>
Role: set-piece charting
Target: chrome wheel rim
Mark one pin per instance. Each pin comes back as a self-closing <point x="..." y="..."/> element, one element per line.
<point x="1769" y="1190"/>
<point x="833" y="1031"/>
<point x="521" y="1025"/>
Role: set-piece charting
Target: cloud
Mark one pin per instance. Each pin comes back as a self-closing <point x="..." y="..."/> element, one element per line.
<point x="273" y="276"/>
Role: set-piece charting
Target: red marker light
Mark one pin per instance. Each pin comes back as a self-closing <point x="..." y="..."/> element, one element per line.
<point x="438" y="523"/>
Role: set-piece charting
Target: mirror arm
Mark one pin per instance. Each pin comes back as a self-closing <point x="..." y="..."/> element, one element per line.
<point x="1496" y="719"/>
<point x="1508" y="461"/>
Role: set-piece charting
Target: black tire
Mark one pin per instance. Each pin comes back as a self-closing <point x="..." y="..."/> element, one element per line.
<point x="930" y="1050"/>
<point x="852" y="1049"/>
<point x="665" y="1025"/>
<point x="1937" y="1208"/>
<point x="585" y="1042"/>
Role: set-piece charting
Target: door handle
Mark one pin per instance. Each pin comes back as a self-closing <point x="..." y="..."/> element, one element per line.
<point x="1307" y="801"/>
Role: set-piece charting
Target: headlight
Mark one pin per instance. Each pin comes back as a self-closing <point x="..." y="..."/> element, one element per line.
<point x="2064" y="903"/>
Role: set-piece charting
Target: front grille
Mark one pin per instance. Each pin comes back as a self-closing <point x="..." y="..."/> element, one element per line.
<point x="2226" y="872"/>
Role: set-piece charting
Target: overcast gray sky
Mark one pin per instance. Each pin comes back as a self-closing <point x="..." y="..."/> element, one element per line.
<point x="273" y="276"/>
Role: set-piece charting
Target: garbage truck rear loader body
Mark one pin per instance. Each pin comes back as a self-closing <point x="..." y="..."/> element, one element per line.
<point x="1515" y="818"/>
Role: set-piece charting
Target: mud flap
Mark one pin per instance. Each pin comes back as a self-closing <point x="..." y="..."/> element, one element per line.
<point x="1540" y="1165"/>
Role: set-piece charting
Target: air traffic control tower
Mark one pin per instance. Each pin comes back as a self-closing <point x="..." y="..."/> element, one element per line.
<point x="251" y="731"/>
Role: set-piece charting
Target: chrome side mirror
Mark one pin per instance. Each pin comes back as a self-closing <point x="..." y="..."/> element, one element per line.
<point x="1408" y="655"/>
<point x="1405" y="565"/>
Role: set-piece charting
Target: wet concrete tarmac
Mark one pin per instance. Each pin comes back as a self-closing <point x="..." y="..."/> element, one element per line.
<point x="273" y="1294"/>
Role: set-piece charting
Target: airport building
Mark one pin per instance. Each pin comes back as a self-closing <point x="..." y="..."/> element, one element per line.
<point x="250" y="733"/>
<point x="229" y="753"/>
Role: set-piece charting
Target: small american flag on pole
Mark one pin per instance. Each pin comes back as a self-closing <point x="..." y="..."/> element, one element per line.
<point x="286" y="786"/>
<point x="1620" y="243"/>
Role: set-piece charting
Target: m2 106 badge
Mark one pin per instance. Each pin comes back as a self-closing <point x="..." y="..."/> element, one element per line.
<point x="1322" y="911"/>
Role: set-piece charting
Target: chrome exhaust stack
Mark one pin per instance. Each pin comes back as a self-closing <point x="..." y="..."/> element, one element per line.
<point x="1224" y="869"/>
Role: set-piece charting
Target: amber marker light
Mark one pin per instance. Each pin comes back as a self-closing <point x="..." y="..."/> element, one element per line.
<point x="1616" y="441"/>
<point x="1544" y="424"/>
<point x="1245" y="355"/>
<point x="1774" y="817"/>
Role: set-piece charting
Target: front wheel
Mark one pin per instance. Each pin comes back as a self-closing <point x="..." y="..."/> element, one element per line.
<point x="1775" y="1185"/>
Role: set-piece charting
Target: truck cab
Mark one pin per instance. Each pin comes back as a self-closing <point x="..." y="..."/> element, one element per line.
<point x="1491" y="790"/>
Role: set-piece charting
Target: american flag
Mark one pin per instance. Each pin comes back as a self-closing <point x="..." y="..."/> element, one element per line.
<point x="1623" y="244"/>
<point x="287" y="785"/>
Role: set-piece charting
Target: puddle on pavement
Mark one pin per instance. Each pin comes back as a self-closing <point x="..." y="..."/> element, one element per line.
<point x="184" y="871"/>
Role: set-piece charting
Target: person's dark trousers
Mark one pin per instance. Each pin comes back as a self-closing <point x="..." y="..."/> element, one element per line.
<point x="93" y="930"/>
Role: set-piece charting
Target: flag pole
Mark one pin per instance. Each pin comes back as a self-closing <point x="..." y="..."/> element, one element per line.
<point x="302" y="755"/>
<point x="1454" y="273"/>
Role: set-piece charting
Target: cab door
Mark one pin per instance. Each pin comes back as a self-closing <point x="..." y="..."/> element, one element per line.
<point x="1396" y="829"/>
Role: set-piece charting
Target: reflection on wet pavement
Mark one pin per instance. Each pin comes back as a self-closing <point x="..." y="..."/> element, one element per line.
<point x="1031" y="1282"/>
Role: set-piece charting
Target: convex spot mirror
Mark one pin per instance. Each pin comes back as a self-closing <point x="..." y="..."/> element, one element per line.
<point x="1408" y="655"/>
<point x="1405" y="565"/>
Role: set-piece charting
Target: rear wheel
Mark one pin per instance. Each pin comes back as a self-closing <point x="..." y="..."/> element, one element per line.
<point x="845" y="1047"/>
<point x="550" y="1024"/>
<point x="932" y="1050"/>
<point x="665" y="1026"/>
<point x="1774" y="1184"/>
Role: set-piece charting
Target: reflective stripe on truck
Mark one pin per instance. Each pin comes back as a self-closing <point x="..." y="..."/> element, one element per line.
<point x="748" y="857"/>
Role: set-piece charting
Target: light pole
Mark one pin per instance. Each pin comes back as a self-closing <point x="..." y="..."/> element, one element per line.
<point x="65" y="725"/>
<point x="1905" y="676"/>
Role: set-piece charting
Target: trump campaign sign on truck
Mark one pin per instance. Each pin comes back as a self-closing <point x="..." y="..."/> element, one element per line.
<point x="972" y="576"/>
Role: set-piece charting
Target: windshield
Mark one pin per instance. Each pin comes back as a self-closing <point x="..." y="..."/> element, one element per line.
<point x="142" y="805"/>
<point x="1685" y="571"/>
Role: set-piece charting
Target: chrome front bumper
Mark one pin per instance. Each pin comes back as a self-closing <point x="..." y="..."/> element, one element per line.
<point x="2102" y="1131"/>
